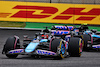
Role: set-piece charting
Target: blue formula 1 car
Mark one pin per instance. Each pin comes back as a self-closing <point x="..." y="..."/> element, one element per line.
<point x="44" y="44"/>
<point x="91" y="38"/>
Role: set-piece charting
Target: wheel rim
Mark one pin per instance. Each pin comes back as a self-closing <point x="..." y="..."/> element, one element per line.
<point x="62" y="49"/>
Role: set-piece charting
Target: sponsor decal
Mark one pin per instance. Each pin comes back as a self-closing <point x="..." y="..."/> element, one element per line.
<point x="45" y="52"/>
<point x="30" y="14"/>
<point x="61" y="27"/>
<point x="49" y="11"/>
<point x="70" y="27"/>
<point x="16" y="51"/>
<point x="60" y="32"/>
<point x="64" y="27"/>
<point x="4" y="15"/>
<point x="52" y="13"/>
<point x="96" y="46"/>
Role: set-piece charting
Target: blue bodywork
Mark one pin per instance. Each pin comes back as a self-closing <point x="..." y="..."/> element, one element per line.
<point x="93" y="34"/>
<point x="31" y="46"/>
<point x="97" y="36"/>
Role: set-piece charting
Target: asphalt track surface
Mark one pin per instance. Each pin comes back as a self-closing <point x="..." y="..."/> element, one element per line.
<point x="88" y="59"/>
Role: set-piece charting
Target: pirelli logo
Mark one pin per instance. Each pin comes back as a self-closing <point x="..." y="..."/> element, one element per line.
<point x="46" y="12"/>
<point x="28" y="12"/>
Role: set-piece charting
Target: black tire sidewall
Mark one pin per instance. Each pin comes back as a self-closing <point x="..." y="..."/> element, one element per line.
<point x="74" y="47"/>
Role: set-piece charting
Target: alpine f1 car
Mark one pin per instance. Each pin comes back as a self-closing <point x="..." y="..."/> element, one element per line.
<point x="44" y="44"/>
<point x="91" y="38"/>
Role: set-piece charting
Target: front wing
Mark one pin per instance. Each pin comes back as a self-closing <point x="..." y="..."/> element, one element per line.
<point x="36" y="52"/>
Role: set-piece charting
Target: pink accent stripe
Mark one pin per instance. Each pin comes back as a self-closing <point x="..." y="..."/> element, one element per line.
<point x="91" y="38"/>
<point x="50" y="44"/>
<point x="15" y="43"/>
<point x="81" y="47"/>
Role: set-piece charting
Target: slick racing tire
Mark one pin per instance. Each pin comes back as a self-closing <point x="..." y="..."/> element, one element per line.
<point x="11" y="55"/>
<point x="58" y="46"/>
<point x="86" y="38"/>
<point x="75" y="47"/>
<point x="11" y="44"/>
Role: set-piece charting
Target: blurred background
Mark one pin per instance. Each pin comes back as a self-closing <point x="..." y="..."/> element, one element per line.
<point x="62" y="1"/>
<point x="40" y="25"/>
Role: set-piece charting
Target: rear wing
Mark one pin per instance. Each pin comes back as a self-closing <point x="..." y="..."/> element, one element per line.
<point x="62" y="27"/>
<point x="60" y="32"/>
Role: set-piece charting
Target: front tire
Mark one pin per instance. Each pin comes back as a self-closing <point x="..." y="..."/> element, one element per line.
<point x="11" y="55"/>
<point x="11" y="44"/>
<point x="58" y="46"/>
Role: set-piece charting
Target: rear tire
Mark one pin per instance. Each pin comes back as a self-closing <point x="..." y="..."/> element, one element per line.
<point x="75" y="47"/>
<point x="86" y="38"/>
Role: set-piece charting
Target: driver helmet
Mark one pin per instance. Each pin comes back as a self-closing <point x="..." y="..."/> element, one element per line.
<point x="44" y="36"/>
